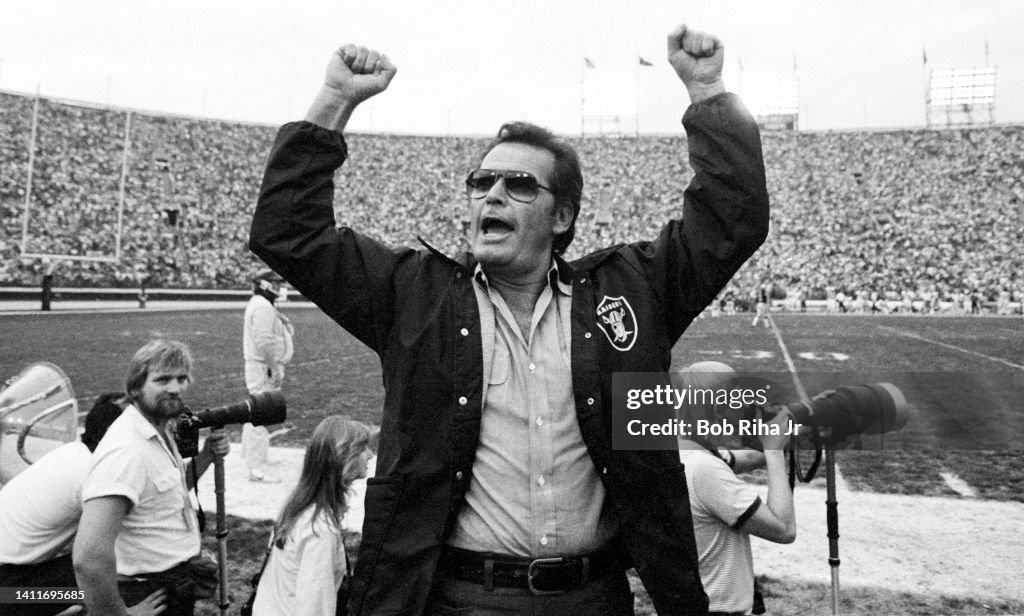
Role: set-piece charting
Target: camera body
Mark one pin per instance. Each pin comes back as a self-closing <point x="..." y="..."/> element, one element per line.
<point x="259" y="410"/>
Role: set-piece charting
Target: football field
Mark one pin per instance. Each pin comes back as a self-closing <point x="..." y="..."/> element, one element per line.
<point x="963" y="377"/>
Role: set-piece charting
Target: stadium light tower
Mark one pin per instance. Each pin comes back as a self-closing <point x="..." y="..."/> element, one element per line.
<point x="961" y="97"/>
<point x="775" y="104"/>
<point x="608" y="107"/>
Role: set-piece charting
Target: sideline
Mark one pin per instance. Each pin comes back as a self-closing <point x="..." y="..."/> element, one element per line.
<point x="262" y="501"/>
<point x="31" y="308"/>
<point x="920" y="544"/>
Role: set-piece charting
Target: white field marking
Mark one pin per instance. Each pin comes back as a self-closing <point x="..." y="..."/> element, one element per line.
<point x="958" y="485"/>
<point x="789" y="364"/>
<point x="823" y="356"/>
<point x="280" y="432"/>
<point x="951" y="346"/>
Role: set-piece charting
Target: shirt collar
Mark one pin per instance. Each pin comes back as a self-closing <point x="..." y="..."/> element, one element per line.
<point x="554" y="279"/>
<point x="139" y="422"/>
<point x="147" y="430"/>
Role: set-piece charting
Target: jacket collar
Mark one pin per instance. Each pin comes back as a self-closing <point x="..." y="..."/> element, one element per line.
<point x="466" y="261"/>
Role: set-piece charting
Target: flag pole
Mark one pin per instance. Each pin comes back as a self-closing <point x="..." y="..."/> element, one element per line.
<point x="583" y="74"/>
<point x="636" y="102"/>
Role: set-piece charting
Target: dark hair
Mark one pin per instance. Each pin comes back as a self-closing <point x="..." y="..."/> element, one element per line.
<point x="169" y="355"/>
<point x="566" y="179"/>
<point x="104" y="411"/>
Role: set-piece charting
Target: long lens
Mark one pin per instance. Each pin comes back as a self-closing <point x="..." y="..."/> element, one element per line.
<point x="259" y="410"/>
<point x="852" y="410"/>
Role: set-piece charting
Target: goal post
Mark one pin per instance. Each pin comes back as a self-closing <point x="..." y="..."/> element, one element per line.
<point x="33" y="244"/>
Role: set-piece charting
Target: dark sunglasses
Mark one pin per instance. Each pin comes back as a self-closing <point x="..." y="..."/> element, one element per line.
<point x="519" y="185"/>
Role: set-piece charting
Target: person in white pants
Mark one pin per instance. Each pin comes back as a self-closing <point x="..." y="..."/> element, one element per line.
<point x="267" y="347"/>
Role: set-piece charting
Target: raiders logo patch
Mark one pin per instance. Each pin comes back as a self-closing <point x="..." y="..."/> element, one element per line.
<point x="616" y="319"/>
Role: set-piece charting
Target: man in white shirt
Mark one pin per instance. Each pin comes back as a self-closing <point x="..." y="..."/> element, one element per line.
<point x="138" y="530"/>
<point x="39" y="513"/>
<point x="267" y="347"/>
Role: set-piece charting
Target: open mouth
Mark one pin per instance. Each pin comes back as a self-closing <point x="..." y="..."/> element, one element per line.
<point x="494" y="227"/>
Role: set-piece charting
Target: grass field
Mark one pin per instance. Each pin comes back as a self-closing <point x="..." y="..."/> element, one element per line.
<point x="963" y="377"/>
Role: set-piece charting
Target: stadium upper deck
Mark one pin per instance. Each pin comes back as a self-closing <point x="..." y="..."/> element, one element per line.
<point x="921" y="210"/>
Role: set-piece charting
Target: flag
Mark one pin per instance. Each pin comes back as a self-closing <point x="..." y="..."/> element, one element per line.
<point x="644" y="62"/>
<point x="588" y="63"/>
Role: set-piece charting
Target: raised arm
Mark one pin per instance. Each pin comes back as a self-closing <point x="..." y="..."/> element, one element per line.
<point x="724" y="214"/>
<point x="354" y="74"/>
<point x="347" y="274"/>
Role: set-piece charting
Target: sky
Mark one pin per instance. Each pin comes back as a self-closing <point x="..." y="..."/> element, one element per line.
<point x="466" y="67"/>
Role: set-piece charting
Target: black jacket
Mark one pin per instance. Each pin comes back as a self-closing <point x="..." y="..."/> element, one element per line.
<point x="417" y="309"/>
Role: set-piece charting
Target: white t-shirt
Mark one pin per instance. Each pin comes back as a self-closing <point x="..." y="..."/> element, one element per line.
<point x="302" y="579"/>
<point x="161" y="529"/>
<point x="720" y="503"/>
<point x="40" y="507"/>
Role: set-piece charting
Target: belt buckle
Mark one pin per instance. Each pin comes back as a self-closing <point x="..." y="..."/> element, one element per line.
<point x="536" y="565"/>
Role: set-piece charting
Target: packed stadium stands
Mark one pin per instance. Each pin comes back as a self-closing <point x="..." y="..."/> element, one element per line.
<point x="933" y="215"/>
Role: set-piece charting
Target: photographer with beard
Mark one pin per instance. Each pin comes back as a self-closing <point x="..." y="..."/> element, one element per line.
<point x="138" y="532"/>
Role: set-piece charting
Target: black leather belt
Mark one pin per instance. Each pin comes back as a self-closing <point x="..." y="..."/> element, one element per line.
<point x="542" y="576"/>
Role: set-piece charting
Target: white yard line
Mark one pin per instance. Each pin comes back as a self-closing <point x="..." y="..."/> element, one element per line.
<point x="958" y="485"/>
<point x="953" y="347"/>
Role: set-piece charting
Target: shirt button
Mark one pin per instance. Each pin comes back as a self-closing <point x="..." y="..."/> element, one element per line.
<point x="582" y="280"/>
<point x="540" y="480"/>
<point x="587" y="335"/>
<point x="604" y="470"/>
<point x="464" y="331"/>
<point x="544" y="540"/>
<point x="463" y="400"/>
<point x="590" y="401"/>
<point x="540" y="421"/>
<point x="533" y="366"/>
<point x="458" y="274"/>
<point x="458" y="475"/>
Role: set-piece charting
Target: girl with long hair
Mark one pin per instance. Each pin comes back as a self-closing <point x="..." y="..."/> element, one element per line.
<point x="307" y="563"/>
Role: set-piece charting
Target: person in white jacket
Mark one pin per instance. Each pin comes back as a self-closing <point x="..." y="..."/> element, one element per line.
<point x="267" y="347"/>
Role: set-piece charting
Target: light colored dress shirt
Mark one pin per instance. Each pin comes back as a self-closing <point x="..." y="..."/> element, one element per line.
<point x="534" y="490"/>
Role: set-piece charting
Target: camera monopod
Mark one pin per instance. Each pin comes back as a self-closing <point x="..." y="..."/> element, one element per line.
<point x="260" y="410"/>
<point x="834" y="420"/>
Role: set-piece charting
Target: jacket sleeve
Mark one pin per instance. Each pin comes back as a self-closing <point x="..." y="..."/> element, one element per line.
<point x="725" y="212"/>
<point x="347" y="274"/>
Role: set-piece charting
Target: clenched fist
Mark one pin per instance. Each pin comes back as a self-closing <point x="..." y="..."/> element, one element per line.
<point x="354" y="74"/>
<point x="358" y="73"/>
<point x="697" y="58"/>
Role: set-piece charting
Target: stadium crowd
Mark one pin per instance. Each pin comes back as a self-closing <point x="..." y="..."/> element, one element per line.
<point x="919" y="218"/>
